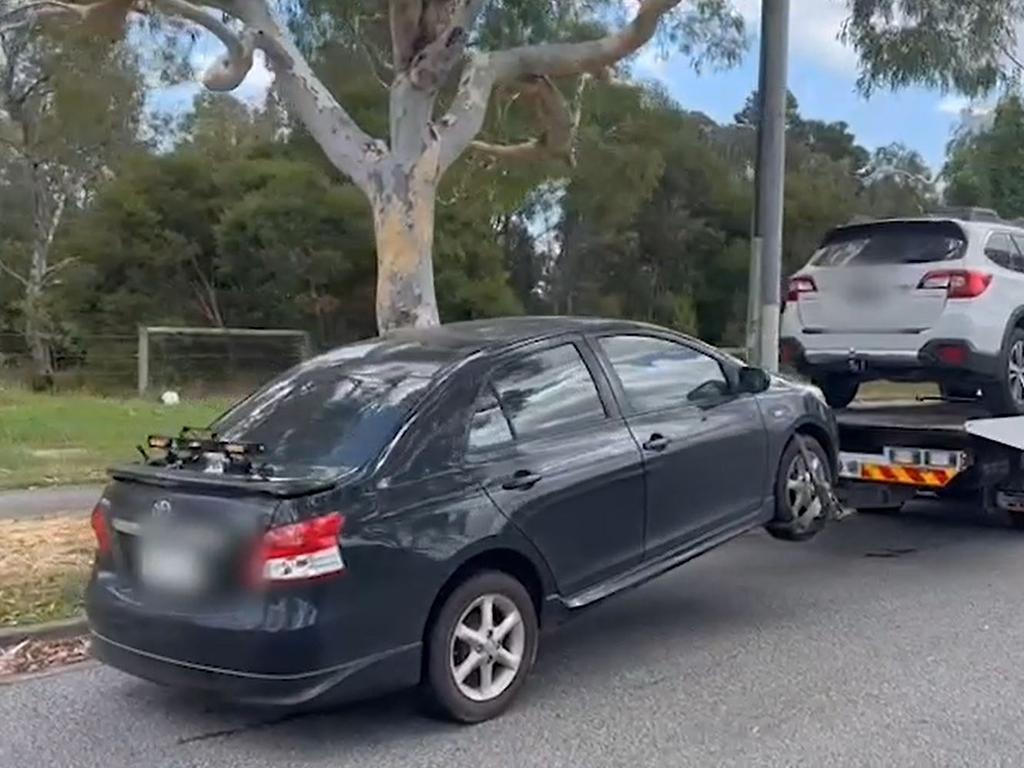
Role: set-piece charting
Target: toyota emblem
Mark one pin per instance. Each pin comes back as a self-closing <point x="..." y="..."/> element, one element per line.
<point x="161" y="508"/>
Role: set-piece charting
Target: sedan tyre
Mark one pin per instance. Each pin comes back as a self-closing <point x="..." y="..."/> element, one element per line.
<point x="800" y="513"/>
<point x="481" y="647"/>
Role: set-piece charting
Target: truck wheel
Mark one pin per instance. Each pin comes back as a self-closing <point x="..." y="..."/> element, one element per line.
<point x="799" y="512"/>
<point x="839" y="389"/>
<point x="481" y="647"/>
<point x="1005" y="397"/>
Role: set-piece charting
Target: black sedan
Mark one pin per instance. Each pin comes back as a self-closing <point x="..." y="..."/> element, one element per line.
<point x="412" y="509"/>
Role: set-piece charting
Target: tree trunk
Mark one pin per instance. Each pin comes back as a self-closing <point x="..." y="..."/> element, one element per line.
<point x="36" y="336"/>
<point x="47" y="214"/>
<point x="403" y="215"/>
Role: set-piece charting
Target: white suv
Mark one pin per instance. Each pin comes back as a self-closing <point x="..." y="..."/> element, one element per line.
<point x="928" y="299"/>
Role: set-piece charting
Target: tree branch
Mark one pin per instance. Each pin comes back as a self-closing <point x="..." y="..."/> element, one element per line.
<point x="432" y="65"/>
<point x="7" y="270"/>
<point x="563" y="59"/>
<point x="228" y="71"/>
<point x="469" y="109"/>
<point x="560" y="124"/>
<point x="107" y="16"/>
<point x="405" y="29"/>
<point x="354" y="152"/>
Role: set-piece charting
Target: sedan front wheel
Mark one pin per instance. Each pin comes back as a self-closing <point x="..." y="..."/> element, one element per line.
<point x="800" y="512"/>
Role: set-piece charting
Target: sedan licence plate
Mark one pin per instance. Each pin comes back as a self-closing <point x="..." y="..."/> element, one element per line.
<point x="170" y="567"/>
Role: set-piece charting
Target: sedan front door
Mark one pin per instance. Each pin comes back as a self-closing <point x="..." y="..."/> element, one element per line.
<point x="705" y="447"/>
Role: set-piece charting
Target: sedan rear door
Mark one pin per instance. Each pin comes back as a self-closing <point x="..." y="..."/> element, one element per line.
<point x="558" y="460"/>
<point x="705" y="447"/>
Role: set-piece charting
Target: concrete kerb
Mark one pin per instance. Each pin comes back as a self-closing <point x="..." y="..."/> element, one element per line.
<point x="48" y="630"/>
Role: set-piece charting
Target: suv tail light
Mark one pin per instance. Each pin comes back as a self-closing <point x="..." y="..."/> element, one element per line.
<point x="100" y="529"/>
<point x="958" y="283"/>
<point x="307" y="550"/>
<point x="799" y="285"/>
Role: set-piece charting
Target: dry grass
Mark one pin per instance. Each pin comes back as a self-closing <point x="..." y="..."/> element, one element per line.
<point x="44" y="565"/>
<point x="890" y="390"/>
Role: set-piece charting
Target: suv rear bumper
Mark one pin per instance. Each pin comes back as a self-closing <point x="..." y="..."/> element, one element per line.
<point x="924" y="364"/>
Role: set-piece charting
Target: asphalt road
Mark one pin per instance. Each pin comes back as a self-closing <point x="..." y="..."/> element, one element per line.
<point x="40" y="502"/>
<point x="886" y="641"/>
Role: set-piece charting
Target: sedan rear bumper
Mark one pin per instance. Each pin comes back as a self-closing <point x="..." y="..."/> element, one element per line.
<point x="381" y="673"/>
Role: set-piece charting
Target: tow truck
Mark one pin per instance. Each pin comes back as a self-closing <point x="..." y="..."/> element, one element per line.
<point x="891" y="452"/>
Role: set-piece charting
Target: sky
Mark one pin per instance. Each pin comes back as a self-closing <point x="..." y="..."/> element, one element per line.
<point x="822" y="76"/>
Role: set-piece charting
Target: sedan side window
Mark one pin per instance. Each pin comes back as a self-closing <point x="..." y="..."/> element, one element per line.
<point x="542" y="391"/>
<point x="658" y="374"/>
<point x="489" y="426"/>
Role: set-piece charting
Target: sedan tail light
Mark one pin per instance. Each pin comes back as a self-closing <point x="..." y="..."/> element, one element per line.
<point x="100" y="529"/>
<point x="307" y="550"/>
<point x="799" y="285"/>
<point x="958" y="283"/>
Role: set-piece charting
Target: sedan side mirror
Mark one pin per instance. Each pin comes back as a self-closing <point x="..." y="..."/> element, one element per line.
<point x="753" y="381"/>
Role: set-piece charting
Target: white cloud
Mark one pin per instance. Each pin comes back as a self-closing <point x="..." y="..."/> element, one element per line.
<point x="953" y="105"/>
<point x="814" y="27"/>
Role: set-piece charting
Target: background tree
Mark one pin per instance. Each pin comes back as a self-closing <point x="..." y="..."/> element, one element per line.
<point x="986" y="168"/>
<point x="442" y="77"/>
<point x="67" y="107"/>
<point x="967" y="46"/>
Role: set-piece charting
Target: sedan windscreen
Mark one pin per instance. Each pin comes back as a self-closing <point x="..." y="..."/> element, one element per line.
<point x="887" y="243"/>
<point x="323" y="417"/>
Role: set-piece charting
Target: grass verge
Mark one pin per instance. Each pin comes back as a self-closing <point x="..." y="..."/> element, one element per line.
<point x="63" y="439"/>
<point x="44" y="565"/>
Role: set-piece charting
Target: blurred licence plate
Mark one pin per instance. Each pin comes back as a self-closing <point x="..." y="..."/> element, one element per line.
<point x="169" y="566"/>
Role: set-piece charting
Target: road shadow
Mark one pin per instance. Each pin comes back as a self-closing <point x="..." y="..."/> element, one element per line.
<point x="589" y="647"/>
<point x="749" y="586"/>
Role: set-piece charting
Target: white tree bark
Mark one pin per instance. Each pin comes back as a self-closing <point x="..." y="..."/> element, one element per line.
<point x="400" y="178"/>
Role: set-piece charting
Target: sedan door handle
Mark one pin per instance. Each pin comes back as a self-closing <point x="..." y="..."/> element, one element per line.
<point x="522" y="480"/>
<point x="656" y="443"/>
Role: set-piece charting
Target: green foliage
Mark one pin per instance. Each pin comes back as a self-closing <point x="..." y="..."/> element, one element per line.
<point x="987" y="168"/>
<point x="957" y="45"/>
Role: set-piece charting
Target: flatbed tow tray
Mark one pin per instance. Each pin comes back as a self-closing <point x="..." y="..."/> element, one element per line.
<point x="923" y="446"/>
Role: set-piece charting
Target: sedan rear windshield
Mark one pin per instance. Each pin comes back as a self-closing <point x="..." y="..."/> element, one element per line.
<point x="323" y="418"/>
<point x="886" y="243"/>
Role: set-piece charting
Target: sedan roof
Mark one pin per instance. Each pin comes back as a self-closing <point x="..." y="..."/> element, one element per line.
<point x="425" y="351"/>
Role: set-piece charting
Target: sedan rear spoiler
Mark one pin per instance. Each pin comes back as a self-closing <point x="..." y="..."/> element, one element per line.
<point x="172" y="477"/>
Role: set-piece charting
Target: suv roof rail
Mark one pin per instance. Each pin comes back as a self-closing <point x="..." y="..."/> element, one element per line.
<point x="966" y="213"/>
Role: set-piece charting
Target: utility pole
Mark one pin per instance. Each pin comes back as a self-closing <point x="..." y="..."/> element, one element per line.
<point x="766" y="243"/>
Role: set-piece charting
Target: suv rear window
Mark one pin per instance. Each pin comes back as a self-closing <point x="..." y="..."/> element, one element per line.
<point x="324" y="417"/>
<point x="884" y="243"/>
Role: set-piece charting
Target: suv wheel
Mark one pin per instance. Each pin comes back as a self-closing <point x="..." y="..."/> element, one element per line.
<point x="839" y="389"/>
<point x="799" y="510"/>
<point x="1005" y="397"/>
<point x="481" y="647"/>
